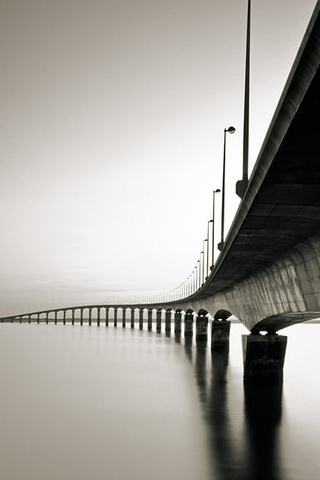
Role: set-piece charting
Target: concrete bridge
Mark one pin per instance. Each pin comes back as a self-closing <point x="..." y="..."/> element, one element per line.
<point x="268" y="273"/>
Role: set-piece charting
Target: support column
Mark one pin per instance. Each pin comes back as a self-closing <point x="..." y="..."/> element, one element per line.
<point x="64" y="317"/>
<point x="38" y="318"/>
<point x="177" y="322"/>
<point x="132" y="317"/>
<point x="72" y="316"/>
<point x="188" y="323"/>
<point x="150" y="319"/>
<point x="90" y="316"/>
<point x="29" y="318"/>
<point x="47" y="318"/>
<point x="159" y="313"/>
<point x="81" y="316"/>
<point x="98" y="316"/>
<point x="263" y="357"/>
<point x="55" y="318"/>
<point x="141" y="318"/>
<point x="168" y="321"/>
<point x="124" y="311"/>
<point x="220" y="331"/>
<point x="202" y="326"/>
<point x="107" y="316"/>
<point x="115" y="322"/>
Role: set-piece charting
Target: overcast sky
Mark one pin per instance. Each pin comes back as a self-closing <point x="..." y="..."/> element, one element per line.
<point x="112" y="117"/>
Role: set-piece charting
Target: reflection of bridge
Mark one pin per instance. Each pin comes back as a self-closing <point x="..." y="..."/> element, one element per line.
<point x="268" y="273"/>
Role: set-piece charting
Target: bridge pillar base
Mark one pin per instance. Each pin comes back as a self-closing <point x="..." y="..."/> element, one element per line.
<point x="188" y="324"/>
<point x="263" y="357"/>
<point x="202" y="326"/>
<point x="220" y="332"/>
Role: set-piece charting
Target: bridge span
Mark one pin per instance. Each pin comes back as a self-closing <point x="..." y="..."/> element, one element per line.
<point x="268" y="273"/>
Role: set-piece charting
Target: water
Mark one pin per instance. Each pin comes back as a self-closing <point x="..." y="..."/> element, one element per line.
<point x="95" y="402"/>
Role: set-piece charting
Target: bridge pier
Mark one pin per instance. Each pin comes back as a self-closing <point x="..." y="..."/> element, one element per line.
<point x="168" y="321"/>
<point x="220" y="332"/>
<point x="263" y="357"/>
<point x="188" y="323"/>
<point x="177" y="322"/>
<point x="132" y="317"/>
<point x="115" y="317"/>
<point x="107" y="316"/>
<point x="202" y="326"/>
<point x="98" y="316"/>
<point x="159" y="313"/>
<point x="140" y="318"/>
<point x="124" y="311"/>
<point x="149" y="319"/>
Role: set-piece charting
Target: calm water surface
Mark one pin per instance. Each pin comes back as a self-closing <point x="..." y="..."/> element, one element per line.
<point x="111" y="403"/>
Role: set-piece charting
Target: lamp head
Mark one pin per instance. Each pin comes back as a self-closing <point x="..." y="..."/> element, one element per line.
<point x="230" y="129"/>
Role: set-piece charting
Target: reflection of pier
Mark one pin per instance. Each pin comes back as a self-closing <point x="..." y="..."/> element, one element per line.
<point x="243" y="449"/>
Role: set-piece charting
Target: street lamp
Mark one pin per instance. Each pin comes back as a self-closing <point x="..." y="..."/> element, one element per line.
<point x="196" y="277"/>
<point x="229" y="130"/>
<point x="208" y="236"/>
<point x="213" y="217"/>
<point x="203" y="246"/>
<point x="241" y="185"/>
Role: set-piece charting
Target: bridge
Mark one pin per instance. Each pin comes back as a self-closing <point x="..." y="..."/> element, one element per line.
<point x="268" y="273"/>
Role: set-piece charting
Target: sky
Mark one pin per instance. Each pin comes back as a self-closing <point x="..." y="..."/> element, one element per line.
<point x="112" y="119"/>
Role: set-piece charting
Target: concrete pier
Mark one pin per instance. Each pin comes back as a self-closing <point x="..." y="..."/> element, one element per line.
<point x="115" y="320"/>
<point x="159" y="314"/>
<point x="141" y="319"/>
<point x="132" y="317"/>
<point x="263" y="357"/>
<point x="188" y="323"/>
<point x="124" y="311"/>
<point x="202" y="326"/>
<point x="168" y="321"/>
<point x="177" y="322"/>
<point x="220" y="332"/>
<point x="150" y="319"/>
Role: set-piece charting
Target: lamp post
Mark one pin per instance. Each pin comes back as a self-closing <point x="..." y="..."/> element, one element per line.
<point x="229" y="130"/>
<point x="241" y="185"/>
<point x="213" y="217"/>
<point x="209" y="221"/>
<point x="196" y="278"/>
<point x="203" y="269"/>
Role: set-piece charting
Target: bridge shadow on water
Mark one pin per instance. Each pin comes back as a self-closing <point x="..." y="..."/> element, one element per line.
<point x="243" y="421"/>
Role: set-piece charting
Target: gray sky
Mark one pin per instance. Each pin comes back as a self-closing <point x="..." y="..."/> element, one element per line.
<point x="112" y="117"/>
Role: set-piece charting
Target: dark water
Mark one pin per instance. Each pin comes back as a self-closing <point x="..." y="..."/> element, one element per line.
<point x="112" y="403"/>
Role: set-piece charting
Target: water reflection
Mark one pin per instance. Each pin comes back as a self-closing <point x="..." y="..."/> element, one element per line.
<point x="263" y="411"/>
<point x="243" y="437"/>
